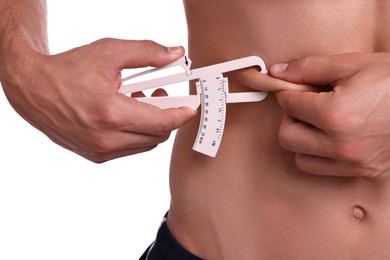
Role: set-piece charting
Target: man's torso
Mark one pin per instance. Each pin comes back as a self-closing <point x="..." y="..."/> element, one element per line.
<point x="251" y="202"/>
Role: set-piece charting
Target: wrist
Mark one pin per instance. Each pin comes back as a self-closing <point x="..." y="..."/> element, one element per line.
<point x="17" y="57"/>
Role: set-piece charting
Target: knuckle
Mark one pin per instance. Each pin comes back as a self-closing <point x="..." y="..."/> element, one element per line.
<point x="304" y="63"/>
<point x="284" y="139"/>
<point x="110" y="121"/>
<point x="165" y="137"/>
<point x="149" y="47"/>
<point x="103" y="46"/>
<point x="302" y="164"/>
<point x="349" y="152"/>
<point x="164" y="126"/>
<point x="108" y="117"/>
<point x="103" y="43"/>
<point x="93" y="153"/>
<point x="340" y="121"/>
<point x="165" y="129"/>
<point x="333" y="120"/>
<point x="100" y="145"/>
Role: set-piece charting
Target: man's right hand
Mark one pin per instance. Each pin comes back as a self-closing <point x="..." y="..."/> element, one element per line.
<point x="73" y="97"/>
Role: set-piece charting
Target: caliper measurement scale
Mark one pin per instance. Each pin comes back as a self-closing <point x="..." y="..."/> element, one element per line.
<point x="212" y="122"/>
<point x="212" y="94"/>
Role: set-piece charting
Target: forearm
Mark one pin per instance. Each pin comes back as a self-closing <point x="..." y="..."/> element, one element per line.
<point x="23" y="22"/>
<point x="23" y="31"/>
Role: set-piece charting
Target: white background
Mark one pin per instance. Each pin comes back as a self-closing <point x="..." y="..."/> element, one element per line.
<point x="56" y="205"/>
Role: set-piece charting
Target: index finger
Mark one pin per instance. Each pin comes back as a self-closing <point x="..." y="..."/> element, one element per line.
<point x="136" y="54"/>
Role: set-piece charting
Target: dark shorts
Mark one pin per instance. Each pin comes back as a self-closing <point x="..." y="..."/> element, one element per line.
<point x="166" y="247"/>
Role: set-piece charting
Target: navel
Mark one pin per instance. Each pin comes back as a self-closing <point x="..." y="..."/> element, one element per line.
<point x="358" y="214"/>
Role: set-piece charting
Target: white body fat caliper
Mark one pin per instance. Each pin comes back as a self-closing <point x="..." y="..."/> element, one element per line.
<point x="212" y="94"/>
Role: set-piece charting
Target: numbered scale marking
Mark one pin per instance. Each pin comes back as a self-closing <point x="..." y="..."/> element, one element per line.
<point x="212" y="94"/>
<point x="213" y="114"/>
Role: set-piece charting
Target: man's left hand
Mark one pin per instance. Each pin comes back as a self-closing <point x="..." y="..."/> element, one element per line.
<point x="344" y="131"/>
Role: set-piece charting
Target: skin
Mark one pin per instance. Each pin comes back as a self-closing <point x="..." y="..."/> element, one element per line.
<point x="73" y="96"/>
<point x="349" y="138"/>
<point x="278" y="187"/>
<point x="266" y="195"/>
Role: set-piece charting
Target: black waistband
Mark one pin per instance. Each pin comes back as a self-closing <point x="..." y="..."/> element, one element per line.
<point x="167" y="248"/>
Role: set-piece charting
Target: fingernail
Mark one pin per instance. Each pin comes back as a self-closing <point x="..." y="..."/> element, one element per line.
<point x="279" y="68"/>
<point x="174" y="50"/>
